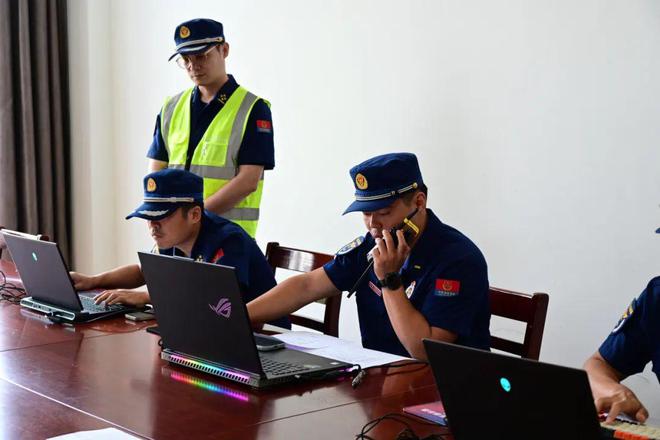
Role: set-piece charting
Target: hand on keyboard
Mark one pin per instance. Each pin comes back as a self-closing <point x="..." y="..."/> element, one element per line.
<point x="622" y="401"/>
<point x="128" y="297"/>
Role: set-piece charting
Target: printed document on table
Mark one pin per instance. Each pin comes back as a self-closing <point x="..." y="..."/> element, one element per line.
<point x="335" y="348"/>
<point x="99" y="434"/>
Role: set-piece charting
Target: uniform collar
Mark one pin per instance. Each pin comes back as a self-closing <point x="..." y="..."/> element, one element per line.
<point x="207" y="240"/>
<point x="223" y="94"/>
<point x="202" y="247"/>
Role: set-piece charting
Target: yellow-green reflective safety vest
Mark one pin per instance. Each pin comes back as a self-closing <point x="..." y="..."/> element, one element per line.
<point x="215" y="157"/>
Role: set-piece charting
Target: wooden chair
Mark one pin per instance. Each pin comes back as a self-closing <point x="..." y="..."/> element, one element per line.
<point x="42" y="237"/>
<point x="305" y="261"/>
<point x="530" y="309"/>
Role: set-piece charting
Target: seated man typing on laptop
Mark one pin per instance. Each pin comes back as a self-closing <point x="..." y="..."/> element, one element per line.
<point x="174" y="209"/>
<point x="634" y="342"/>
<point x="435" y="286"/>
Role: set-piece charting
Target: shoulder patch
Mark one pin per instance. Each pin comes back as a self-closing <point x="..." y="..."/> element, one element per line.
<point x="626" y="314"/>
<point x="350" y="246"/>
<point x="447" y="288"/>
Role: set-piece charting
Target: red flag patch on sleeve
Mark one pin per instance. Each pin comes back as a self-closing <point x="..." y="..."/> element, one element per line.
<point x="264" y="126"/>
<point x="447" y="287"/>
<point x="219" y="254"/>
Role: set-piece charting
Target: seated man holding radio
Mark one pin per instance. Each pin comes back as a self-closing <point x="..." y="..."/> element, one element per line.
<point x="428" y="280"/>
<point x="174" y="209"/>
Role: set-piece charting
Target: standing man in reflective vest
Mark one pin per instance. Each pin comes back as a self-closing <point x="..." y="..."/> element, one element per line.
<point x="216" y="129"/>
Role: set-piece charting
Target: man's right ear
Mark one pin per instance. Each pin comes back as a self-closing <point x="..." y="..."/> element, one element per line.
<point x="420" y="200"/>
<point x="197" y="213"/>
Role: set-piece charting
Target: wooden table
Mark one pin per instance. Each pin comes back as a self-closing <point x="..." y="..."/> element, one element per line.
<point x="24" y="414"/>
<point x="109" y="373"/>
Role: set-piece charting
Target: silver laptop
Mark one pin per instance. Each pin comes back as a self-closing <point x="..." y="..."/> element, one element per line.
<point x="46" y="279"/>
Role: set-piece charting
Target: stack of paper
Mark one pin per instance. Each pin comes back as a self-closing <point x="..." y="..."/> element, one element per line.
<point x="339" y="349"/>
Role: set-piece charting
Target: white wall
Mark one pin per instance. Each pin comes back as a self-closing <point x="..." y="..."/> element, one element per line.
<point x="535" y="124"/>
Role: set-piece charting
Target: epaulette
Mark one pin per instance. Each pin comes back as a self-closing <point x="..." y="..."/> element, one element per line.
<point x="350" y="246"/>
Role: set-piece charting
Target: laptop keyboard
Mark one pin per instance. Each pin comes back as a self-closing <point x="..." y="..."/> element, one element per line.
<point x="90" y="306"/>
<point x="630" y="431"/>
<point x="277" y="368"/>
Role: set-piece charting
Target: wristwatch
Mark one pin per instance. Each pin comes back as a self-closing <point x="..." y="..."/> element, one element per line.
<point x="391" y="281"/>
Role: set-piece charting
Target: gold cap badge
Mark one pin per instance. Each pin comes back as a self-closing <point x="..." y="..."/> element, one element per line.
<point x="361" y="181"/>
<point x="184" y="32"/>
<point x="151" y="185"/>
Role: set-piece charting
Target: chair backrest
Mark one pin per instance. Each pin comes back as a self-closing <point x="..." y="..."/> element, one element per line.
<point x="530" y="309"/>
<point x="305" y="261"/>
<point x="42" y="237"/>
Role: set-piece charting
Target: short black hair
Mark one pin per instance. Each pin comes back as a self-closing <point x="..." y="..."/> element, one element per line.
<point x="186" y="207"/>
<point x="407" y="197"/>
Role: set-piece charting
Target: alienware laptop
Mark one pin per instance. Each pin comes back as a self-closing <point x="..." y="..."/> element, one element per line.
<point x="493" y="396"/>
<point x="46" y="279"/>
<point x="204" y="325"/>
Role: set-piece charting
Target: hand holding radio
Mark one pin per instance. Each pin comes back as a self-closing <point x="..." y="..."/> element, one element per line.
<point x="390" y="252"/>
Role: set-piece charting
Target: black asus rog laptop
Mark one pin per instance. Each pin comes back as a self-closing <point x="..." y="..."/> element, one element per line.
<point x="46" y="279"/>
<point x="493" y="396"/>
<point x="204" y="325"/>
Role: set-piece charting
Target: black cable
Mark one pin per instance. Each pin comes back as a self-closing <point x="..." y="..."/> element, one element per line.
<point x="359" y="281"/>
<point x="402" y="364"/>
<point x="360" y="372"/>
<point x="422" y="364"/>
<point x="10" y="292"/>
<point x="355" y="368"/>
<point x="406" y="434"/>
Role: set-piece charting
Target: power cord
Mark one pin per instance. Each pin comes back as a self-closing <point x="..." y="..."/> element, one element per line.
<point x="10" y="292"/>
<point x="355" y="370"/>
<point x="358" y="372"/>
<point x="422" y="364"/>
<point x="405" y="434"/>
<point x="402" y="364"/>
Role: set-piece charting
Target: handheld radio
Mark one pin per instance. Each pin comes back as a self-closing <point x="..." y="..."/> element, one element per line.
<point x="410" y="230"/>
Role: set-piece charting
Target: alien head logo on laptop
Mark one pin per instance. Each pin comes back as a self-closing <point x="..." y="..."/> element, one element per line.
<point x="223" y="308"/>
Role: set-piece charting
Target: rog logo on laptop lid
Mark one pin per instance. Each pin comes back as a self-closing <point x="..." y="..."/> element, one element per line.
<point x="223" y="308"/>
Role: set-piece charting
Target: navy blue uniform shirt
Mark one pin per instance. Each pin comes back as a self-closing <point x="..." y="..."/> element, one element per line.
<point x="223" y="242"/>
<point x="635" y="340"/>
<point x="257" y="145"/>
<point x="445" y="276"/>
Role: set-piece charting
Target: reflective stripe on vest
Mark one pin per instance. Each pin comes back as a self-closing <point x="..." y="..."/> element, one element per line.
<point x="215" y="157"/>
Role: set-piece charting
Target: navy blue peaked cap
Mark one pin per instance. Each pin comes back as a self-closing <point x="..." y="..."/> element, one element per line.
<point x="166" y="190"/>
<point x="379" y="181"/>
<point x="195" y="36"/>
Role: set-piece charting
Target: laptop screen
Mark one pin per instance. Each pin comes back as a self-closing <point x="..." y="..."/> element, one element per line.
<point x="43" y="271"/>
<point x="200" y="310"/>
<point x="489" y="395"/>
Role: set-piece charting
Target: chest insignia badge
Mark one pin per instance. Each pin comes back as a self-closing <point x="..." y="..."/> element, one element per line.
<point x="410" y="289"/>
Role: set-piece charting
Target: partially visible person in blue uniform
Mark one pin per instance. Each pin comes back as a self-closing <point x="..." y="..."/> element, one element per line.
<point x="174" y="209"/>
<point x="433" y="286"/>
<point x="216" y="129"/>
<point x="632" y="344"/>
